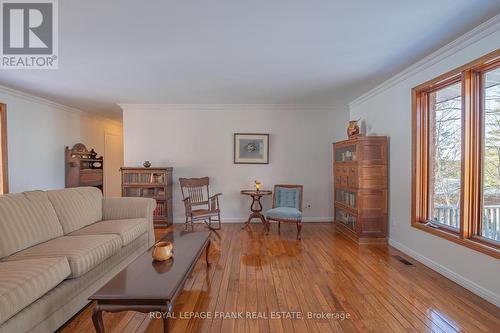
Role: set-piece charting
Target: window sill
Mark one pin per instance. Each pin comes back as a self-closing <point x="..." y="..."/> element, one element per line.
<point x="471" y="243"/>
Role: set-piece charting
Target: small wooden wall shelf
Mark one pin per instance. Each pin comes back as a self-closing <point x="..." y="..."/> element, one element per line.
<point x="360" y="188"/>
<point x="155" y="183"/>
<point x="83" y="167"/>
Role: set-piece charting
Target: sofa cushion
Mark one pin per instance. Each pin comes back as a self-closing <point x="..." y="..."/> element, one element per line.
<point x="24" y="281"/>
<point x="287" y="213"/>
<point x="83" y="252"/>
<point x="127" y="229"/>
<point x="26" y="219"/>
<point x="77" y="207"/>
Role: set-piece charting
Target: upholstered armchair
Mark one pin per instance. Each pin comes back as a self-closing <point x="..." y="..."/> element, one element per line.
<point x="287" y="206"/>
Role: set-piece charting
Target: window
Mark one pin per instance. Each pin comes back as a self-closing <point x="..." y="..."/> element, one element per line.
<point x="445" y="106"/>
<point x="4" y="183"/>
<point x="490" y="226"/>
<point x="456" y="155"/>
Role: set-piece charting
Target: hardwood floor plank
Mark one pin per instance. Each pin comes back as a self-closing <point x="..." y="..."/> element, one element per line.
<point x="324" y="273"/>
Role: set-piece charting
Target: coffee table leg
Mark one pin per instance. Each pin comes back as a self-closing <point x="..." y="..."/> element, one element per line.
<point x="97" y="319"/>
<point x="165" y="325"/>
<point x="207" y="249"/>
<point x="167" y="309"/>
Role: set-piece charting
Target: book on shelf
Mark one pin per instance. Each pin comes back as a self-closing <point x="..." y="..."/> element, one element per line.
<point x="133" y="192"/>
<point x="144" y="178"/>
<point x="158" y="178"/>
<point x="159" y="210"/>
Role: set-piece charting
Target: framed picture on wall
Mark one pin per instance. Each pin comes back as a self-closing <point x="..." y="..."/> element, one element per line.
<point x="251" y="148"/>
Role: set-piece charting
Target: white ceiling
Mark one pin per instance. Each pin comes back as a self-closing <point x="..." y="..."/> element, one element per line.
<point x="234" y="51"/>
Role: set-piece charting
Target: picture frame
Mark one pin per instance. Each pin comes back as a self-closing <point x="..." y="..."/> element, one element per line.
<point x="251" y="148"/>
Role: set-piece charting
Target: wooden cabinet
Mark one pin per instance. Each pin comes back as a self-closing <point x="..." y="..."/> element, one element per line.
<point x="155" y="183"/>
<point x="360" y="188"/>
<point x="83" y="167"/>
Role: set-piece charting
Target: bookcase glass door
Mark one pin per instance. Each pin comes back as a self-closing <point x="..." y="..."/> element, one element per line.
<point x="150" y="183"/>
<point x="346" y="218"/>
<point x="143" y="178"/>
<point x="345" y="154"/>
<point x="345" y="197"/>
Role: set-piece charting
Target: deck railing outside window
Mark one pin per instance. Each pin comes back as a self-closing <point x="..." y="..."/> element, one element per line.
<point x="450" y="216"/>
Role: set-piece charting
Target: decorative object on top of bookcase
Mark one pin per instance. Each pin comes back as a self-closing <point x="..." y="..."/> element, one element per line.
<point x="146" y="164"/>
<point x="360" y="188"/>
<point x="155" y="183"/>
<point x="83" y="167"/>
<point x="353" y="129"/>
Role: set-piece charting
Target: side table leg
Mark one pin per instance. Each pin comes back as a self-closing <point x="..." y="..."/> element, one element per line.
<point x="97" y="319"/>
<point x="264" y="223"/>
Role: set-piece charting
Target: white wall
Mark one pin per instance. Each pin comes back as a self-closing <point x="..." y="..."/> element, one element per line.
<point x="38" y="130"/>
<point x="197" y="141"/>
<point x="387" y="111"/>
<point x="93" y="131"/>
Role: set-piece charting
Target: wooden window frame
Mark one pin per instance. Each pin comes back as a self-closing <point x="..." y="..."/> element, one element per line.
<point x="469" y="234"/>
<point x="3" y="148"/>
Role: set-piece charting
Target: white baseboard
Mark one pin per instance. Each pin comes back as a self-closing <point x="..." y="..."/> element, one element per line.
<point x="244" y="219"/>
<point x="466" y="283"/>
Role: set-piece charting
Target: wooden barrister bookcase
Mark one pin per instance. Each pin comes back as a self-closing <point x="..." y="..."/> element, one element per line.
<point x="360" y="188"/>
<point x="155" y="183"/>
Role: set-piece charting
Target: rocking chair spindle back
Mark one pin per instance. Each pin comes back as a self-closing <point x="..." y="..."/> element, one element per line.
<point x="196" y="194"/>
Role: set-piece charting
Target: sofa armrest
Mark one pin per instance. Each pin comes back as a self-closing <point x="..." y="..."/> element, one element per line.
<point x="130" y="208"/>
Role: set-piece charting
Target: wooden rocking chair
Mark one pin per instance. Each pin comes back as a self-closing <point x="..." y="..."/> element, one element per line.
<point x="199" y="207"/>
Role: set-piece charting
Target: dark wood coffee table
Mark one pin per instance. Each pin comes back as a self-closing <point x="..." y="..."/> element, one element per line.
<point x="148" y="286"/>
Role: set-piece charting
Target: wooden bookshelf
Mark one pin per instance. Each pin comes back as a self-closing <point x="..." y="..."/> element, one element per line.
<point x="155" y="183"/>
<point x="360" y="188"/>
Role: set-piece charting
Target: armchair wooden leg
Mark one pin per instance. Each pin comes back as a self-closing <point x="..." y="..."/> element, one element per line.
<point x="299" y="229"/>
<point x="279" y="227"/>
<point x="186" y="224"/>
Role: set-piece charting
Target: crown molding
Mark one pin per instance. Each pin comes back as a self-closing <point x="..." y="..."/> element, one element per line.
<point x="40" y="100"/>
<point x="472" y="36"/>
<point x="35" y="99"/>
<point x="215" y="107"/>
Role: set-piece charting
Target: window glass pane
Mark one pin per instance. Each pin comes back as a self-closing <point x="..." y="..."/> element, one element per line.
<point x="490" y="227"/>
<point x="445" y="106"/>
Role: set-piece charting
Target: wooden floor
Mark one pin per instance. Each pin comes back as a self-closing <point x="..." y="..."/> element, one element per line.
<point x="324" y="274"/>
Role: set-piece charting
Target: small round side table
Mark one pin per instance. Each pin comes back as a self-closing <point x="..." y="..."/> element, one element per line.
<point x="256" y="206"/>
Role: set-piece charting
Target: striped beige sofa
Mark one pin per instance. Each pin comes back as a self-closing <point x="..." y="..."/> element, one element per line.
<point x="58" y="247"/>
